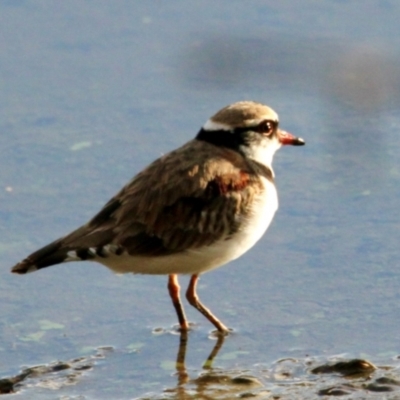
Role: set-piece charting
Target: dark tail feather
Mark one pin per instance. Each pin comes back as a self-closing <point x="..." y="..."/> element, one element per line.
<point x="77" y="246"/>
<point x="49" y="255"/>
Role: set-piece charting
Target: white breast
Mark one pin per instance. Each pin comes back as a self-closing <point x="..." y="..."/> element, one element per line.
<point x="207" y="258"/>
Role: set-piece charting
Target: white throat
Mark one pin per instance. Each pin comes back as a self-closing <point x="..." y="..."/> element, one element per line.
<point x="263" y="153"/>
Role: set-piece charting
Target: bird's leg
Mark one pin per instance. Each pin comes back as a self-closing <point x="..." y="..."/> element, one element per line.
<point x="174" y="289"/>
<point x="193" y="299"/>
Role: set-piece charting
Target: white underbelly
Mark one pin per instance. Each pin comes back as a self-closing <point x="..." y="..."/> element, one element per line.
<point x="204" y="259"/>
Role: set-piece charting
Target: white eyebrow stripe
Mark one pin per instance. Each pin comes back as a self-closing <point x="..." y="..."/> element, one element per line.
<point x="211" y="125"/>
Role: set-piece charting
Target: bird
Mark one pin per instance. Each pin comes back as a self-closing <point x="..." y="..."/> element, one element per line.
<point x="190" y="211"/>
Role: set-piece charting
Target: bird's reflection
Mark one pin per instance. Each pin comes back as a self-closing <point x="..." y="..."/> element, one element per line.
<point x="212" y="381"/>
<point x="182" y="374"/>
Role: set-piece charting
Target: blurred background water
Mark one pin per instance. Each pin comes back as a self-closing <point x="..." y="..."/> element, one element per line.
<point x="92" y="91"/>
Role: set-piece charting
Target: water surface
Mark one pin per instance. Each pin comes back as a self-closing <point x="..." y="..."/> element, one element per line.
<point x="93" y="91"/>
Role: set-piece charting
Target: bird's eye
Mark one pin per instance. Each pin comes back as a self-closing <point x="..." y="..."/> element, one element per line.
<point x="266" y="127"/>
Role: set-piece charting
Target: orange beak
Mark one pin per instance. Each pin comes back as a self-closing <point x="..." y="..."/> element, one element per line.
<point x="287" y="138"/>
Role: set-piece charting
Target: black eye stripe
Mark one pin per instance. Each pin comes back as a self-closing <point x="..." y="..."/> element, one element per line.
<point x="266" y="127"/>
<point x="238" y="138"/>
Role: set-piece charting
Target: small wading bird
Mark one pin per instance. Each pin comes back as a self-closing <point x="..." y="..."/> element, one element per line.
<point x="190" y="211"/>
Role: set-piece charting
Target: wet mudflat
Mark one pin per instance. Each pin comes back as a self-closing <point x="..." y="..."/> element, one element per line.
<point x="307" y="378"/>
<point x="94" y="91"/>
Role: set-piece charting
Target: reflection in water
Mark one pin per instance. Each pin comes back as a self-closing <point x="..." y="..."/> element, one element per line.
<point x="299" y="378"/>
<point x="212" y="382"/>
<point x="180" y="359"/>
<point x="293" y="377"/>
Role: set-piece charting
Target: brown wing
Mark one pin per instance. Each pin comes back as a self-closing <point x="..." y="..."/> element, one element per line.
<point x="189" y="198"/>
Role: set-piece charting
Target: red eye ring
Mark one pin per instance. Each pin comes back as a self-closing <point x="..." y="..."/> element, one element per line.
<point x="266" y="127"/>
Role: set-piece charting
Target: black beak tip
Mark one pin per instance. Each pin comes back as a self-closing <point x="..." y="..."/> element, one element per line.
<point x="299" y="142"/>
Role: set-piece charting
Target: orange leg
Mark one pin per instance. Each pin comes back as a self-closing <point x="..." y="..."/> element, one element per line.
<point x="193" y="299"/>
<point x="174" y="289"/>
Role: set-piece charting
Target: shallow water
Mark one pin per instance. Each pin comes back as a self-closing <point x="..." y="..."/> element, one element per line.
<point x="93" y="91"/>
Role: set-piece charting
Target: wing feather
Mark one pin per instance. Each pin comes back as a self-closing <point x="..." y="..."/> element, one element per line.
<point x="189" y="198"/>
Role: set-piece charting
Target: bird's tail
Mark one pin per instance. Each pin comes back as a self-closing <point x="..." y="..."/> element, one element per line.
<point x="51" y="254"/>
<point x="80" y="245"/>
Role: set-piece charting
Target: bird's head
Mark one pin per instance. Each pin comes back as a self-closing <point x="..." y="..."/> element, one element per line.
<point x="250" y="128"/>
